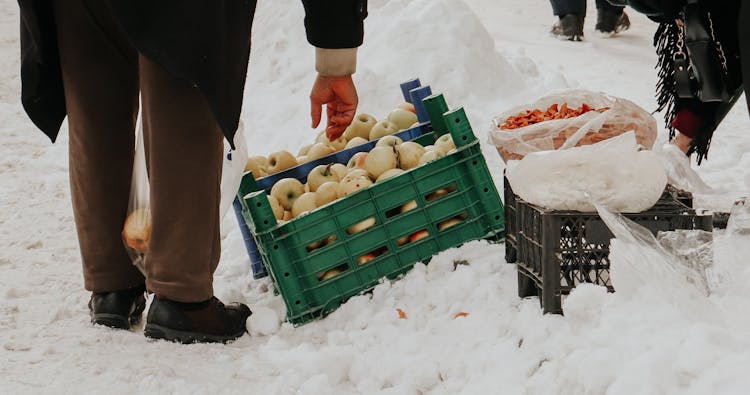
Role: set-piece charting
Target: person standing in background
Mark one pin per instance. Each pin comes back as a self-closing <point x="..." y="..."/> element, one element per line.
<point x="571" y="14"/>
<point x="90" y="60"/>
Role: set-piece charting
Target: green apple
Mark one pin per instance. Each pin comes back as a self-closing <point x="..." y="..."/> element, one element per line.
<point x="409" y="154"/>
<point x="355" y="142"/>
<point x="319" y="175"/>
<point x="319" y="150"/>
<point x="326" y="193"/>
<point x="304" y="203"/>
<point x="445" y="143"/>
<point x="380" y="159"/>
<point x="389" y="141"/>
<point x="388" y="174"/>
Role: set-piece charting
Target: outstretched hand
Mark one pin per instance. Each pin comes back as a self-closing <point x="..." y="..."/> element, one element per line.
<point x="340" y="97"/>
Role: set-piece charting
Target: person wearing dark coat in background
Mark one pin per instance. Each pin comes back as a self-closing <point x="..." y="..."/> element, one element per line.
<point x="610" y="19"/>
<point x="90" y="60"/>
<point x="692" y="123"/>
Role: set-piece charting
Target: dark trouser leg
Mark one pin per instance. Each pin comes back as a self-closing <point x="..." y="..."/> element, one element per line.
<point x="565" y="7"/>
<point x="100" y="76"/>
<point x="184" y="152"/>
<point x="744" y="32"/>
<point x="603" y="5"/>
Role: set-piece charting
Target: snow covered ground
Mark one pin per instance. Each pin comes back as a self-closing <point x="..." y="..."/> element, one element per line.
<point x="657" y="335"/>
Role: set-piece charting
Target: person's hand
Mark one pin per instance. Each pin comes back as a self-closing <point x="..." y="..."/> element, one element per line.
<point x="340" y="97"/>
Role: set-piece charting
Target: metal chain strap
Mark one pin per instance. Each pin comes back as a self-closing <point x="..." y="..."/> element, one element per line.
<point x="719" y="47"/>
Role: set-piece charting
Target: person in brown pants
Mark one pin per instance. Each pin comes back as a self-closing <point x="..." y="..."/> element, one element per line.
<point x="90" y="60"/>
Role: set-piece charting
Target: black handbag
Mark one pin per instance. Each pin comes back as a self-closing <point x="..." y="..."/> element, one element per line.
<point x="700" y="65"/>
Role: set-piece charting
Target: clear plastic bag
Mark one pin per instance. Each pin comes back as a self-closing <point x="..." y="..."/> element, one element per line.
<point x="613" y="172"/>
<point x="588" y="128"/>
<point x="136" y="232"/>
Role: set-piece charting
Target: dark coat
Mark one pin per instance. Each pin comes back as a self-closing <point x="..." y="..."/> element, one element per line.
<point x="204" y="42"/>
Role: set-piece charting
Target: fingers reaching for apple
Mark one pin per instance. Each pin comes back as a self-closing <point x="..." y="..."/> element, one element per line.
<point x="340" y="97"/>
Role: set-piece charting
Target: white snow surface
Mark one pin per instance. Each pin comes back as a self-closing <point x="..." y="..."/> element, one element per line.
<point x="485" y="55"/>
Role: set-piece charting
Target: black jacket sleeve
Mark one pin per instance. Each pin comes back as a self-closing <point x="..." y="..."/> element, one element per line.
<point x="335" y="24"/>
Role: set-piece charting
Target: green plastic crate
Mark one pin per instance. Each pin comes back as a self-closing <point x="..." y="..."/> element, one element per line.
<point x="296" y="269"/>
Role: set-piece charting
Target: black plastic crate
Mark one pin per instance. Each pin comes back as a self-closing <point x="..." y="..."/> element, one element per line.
<point x="556" y="250"/>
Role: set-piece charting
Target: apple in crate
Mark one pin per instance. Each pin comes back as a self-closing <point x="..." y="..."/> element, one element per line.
<point x="418" y="235"/>
<point x="304" y="150"/>
<point x="365" y="258"/>
<point x="389" y="141"/>
<point x="402" y="118"/>
<point x="280" y="161"/>
<point x="278" y="211"/>
<point x="340" y="170"/>
<point x="409" y="154"/>
<point x="431" y="155"/>
<point x="355" y="142"/>
<point x="286" y="191"/>
<point x="357" y="161"/>
<point x="445" y="143"/>
<point x="407" y="106"/>
<point x="389" y="173"/>
<point x="361" y="226"/>
<point x="360" y="127"/>
<point x="258" y="165"/>
<point x="448" y="223"/>
<point x="357" y="172"/>
<point x="304" y="203"/>
<point x="137" y="230"/>
<point x="326" y="193"/>
<point x="321" y="174"/>
<point x="338" y="144"/>
<point x="383" y="128"/>
<point x="353" y="183"/>
<point x="329" y="274"/>
<point x="410" y="205"/>
<point x="319" y="150"/>
<point x="380" y="159"/>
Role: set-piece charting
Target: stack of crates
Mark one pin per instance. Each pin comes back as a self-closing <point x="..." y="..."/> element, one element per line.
<point x="316" y="261"/>
<point x="556" y="250"/>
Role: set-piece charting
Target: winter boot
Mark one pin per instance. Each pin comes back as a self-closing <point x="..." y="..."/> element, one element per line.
<point x="203" y="322"/>
<point x="118" y="309"/>
<point x="609" y="23"/>
<point x="569" y="27"/>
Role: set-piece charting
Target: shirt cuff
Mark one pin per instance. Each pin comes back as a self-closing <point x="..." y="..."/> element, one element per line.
<point x="336" y="62"/>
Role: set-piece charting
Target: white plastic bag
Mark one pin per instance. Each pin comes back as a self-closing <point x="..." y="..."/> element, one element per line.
<point x="136" y="232"/>
<point x="588" y="128"/>
<point x="613" y="172"/>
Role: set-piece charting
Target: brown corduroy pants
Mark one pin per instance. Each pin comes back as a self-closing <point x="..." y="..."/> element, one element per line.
<point x="103" y="75"/>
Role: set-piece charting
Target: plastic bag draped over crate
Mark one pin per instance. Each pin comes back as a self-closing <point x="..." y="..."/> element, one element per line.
<point x="318" y="260"/>
<point x="588" y="128"/>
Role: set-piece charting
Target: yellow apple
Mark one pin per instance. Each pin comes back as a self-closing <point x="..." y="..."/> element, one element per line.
<point x="280" y="161"/>
<point x="360" y="127"/>
<point x="409" y="154"/>
<point x="388" y="174"/>
<point x="352" y="184"/>
<point x="402" y="118"/>
<point x="303" y="151"/>
<point x="286" y="191"/>
<point x="319" y="150"/>
<point x="361" y="226"/>
<point x="380" y="159"/>
<point x="357" y="161"/>
<point x="319" y="175"/>
<point x="389" y="141"/>
<point x="137" y="229"/>
<point x="278" y="211"/>
<point x="431" y="155"/>
<point x="326" y="193"/>
<point x="383" y="128"/>
<point x="407" y="106"/>
<point x="355" y="142"/>
<point x="304" y="203"/>
<point x="445" y="143"/>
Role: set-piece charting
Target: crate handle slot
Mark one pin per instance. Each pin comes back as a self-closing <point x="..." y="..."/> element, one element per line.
<point x="440" y="192"/>
<point x="331" y="273"/>
<point x="401" y="208"/>
<point x="452" y="221"/>
<point x="412" y="238"/>
<point x="328" y="240"/>
<point x="361" y="226"/>
<point x="372" y="255"/>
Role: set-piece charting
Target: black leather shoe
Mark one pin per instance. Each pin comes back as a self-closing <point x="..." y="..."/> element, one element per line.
<point x="610" y="23"/>
<point x="204" y="322"/>
<point x="569" y="27"/>
<point x="118" y="309"/>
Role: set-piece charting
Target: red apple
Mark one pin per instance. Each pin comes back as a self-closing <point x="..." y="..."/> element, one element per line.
<point x="365" y="258"/>
<point x="418" y="235"/>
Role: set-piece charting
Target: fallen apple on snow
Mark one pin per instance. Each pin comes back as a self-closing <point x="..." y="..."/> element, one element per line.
<point x="280" y="161"/>
<point x="137" y="230"/>
<point x="286" y="191"/>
